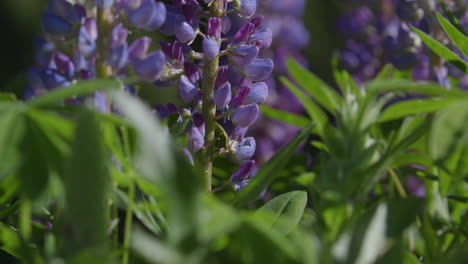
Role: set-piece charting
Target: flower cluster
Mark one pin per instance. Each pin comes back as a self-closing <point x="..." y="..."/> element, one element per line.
<point x="290" y="37"/>
<point x="218" y="72"/>
<point x="374" y="37"/>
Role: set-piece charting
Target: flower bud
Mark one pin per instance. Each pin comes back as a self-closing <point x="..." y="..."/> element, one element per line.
<point x="87" y="38"/>
<point x="222" y="96"/>
<point x="244" y="54"/>
<point x="119" y="57"/>
<point x="184" y="32"/>
<point x="55" y="25"/>
<point x="262" y="38"/>
<point x="246" y="8"/>
<point x="214" y="27"/>
<point x="244" y="33"/>
<point x="258" y="70"/>
<point x="187" y="90"/>
<point x="241" y="96"/>
<point x="151" y="67"/>
<point x="258" y="93"/>
<point x="195" y="139"/>
<point x="243" y="172"/>
<point x="245" y="116"/>
<point x="64" y="65"/>
<point x="226" y="24"/>
<point x="210" y="48"/>
<point x="191" y="71"/>
<point x="245" y="149"/>
<point x="149" y="15"/>
<point x="139" y="47"/>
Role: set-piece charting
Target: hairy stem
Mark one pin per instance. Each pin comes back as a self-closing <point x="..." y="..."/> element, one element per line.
<point x="210" y="71"/>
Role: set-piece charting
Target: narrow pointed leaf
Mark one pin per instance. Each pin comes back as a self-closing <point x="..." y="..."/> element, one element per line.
<point x="455" y="35"/>
<point x="285" y="117"/>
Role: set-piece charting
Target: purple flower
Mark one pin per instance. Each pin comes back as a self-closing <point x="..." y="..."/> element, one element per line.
<point x="87" y="38"/>
<point x="258" y="70"/>
<point x="258" y="93"/>
<point x="244" y="54"/>
<point x="222" y="96"/>
<point x="243" y="172"/>
<point x="151" y="67"/>
<point x="187" y="90"/>
<point x="195" y="139"/>
<point x="245" y="149"/>
<point x="64" y="65"/>
<point x="214" y="27"/>
<point x="139" y="47"/>
<point x="184" y="32"/>
<point x="262" y="38"/>
<point x="210" y="48"/>
<point x="55" y="25"/>
<point x="149" y="15"/>
<point x="245" y="116"/>
<point x="247" y="8"/>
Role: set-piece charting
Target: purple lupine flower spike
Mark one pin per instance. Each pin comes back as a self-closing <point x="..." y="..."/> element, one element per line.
<point x="87" y="37"/>
<point x="245" y="116"/>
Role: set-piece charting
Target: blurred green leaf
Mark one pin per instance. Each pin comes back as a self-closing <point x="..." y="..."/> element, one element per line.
<point x="448" y="129"/>
<point x="385" y="73"/>
<point x="271" y="169"/>
<point x="7" y="97"/>
<point x="79" y="89"/>
<point x="442" y="51"/>
<point x="285" y="117"/>
<point x="316" y="88"/>
<point x="11" y="133"/>
<point x="289" y="205"/>
<point x="87" y="189"/>
<point x="402" y="212"/>
<point x="415" y="106"/>
<point x="412" y="87"/>
<point x="312" y="109"/>
<point x="460" y="40"/>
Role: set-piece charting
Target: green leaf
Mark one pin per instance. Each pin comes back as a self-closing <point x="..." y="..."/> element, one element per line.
<point x="285" y="117"/>
<point x="448" y="129"/>
<point x="271" y="169"/>
<point x="79" y="89"/>
<point x="385" y="73"/>
<point x="155" y="159"/>
<point x="7" y="97"/>
<point x="442" y="51"/>
<point x="412" y="87"/>
<point x="402" y="213"/>
<point x="11" y="132"/>
<point x="87" y="190"/>
<point x="316" y="88"/>
<point x="289" y="205"/>
<point x="312" y="109"/>
<point x="415" y="106"/>
<point x="455" y="35"/>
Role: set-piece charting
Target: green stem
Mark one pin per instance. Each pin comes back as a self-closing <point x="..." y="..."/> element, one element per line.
<point x="25" y="218"/>
<point x="398" y="185"/>
<point x="128" y="224"/>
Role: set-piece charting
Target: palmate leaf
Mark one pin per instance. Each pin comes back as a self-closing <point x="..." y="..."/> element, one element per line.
<point x="289" y="206"/>
<point x="271" y="169"/>
<point x="442" y="51"/>
<point x="285" y="117"/>
<point x="460" y="40"/>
